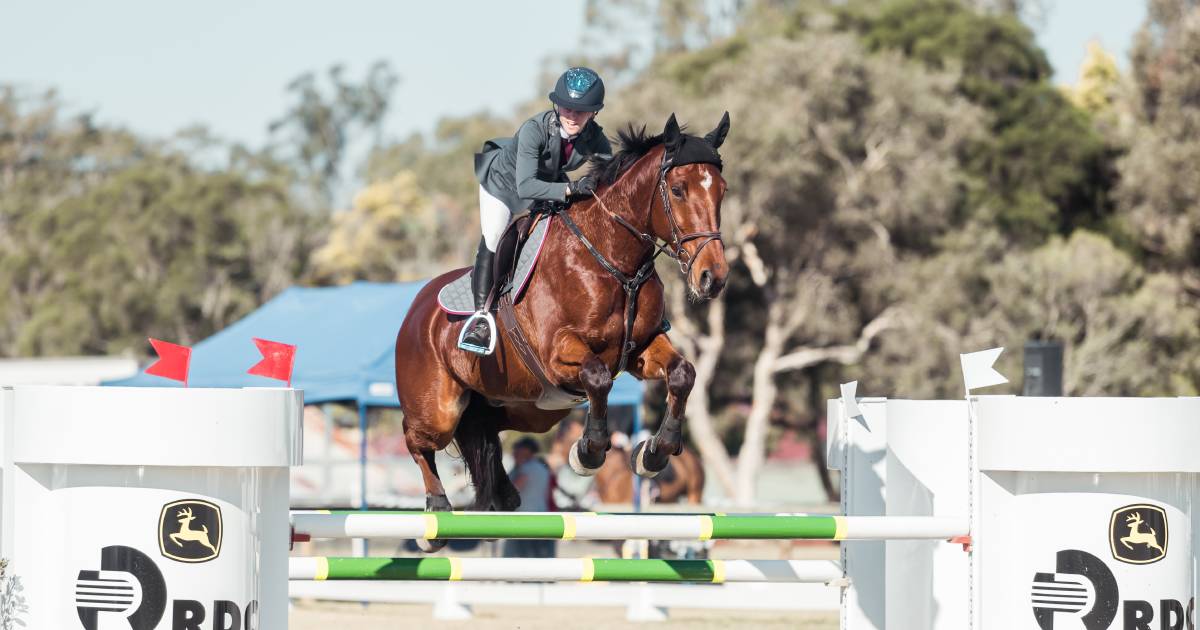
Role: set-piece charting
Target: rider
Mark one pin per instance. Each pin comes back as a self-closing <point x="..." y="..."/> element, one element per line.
<point x="531" y="166"/>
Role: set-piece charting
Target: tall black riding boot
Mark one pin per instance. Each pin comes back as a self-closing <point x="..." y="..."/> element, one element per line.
<point x="481" y="275"/>
<point x="477" y="337"/>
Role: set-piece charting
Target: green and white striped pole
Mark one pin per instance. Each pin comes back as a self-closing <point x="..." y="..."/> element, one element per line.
<point x="561" y="570"/>
<point x="590" y="526"/>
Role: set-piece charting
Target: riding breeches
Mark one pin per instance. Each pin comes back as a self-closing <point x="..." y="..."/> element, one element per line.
<point x="494" y="216"/>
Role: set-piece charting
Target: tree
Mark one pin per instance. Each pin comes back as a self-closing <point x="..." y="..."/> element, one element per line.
<point x="1043" y="169"/>
<point x="1159" y="194"/>
<point x="316" y="130"/>
<point x="1099" y="81"/>
<point x="1126" y="332"/>
<point x="443" y="168"/>
<point x="106" y="239"/>
<point x="390" y="233"/>
<point x="841" y="164"/>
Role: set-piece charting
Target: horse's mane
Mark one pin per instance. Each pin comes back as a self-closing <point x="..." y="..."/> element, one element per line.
<point x="635" y="143"/>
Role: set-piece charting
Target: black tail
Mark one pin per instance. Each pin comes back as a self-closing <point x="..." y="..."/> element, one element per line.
<point x="479" y="443"/>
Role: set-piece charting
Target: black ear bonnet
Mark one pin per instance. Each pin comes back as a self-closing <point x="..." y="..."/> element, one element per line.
<point x="692" y="150"/>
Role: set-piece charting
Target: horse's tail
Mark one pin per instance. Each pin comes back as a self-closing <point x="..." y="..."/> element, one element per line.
<point x="479" y="444"/>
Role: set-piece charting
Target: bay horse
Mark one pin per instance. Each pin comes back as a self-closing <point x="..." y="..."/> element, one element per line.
<point x="593" y="307"/>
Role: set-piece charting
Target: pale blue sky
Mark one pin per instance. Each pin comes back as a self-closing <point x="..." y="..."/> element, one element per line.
<point x="158" y="66"/>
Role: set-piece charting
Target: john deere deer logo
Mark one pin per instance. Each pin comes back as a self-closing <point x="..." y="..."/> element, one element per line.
<point x="190" y="530"/>
<point x="1137" y="534"/>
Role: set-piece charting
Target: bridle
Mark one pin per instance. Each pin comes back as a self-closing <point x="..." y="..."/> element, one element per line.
<point x="632" y="284"/>
<point x="678" y="238"/>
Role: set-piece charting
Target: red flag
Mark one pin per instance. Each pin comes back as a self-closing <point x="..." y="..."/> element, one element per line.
<point x="277" y="360"/>
<point x="173" y="360"/>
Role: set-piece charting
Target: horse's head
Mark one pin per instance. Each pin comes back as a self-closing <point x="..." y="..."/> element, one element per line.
<point x="690" y="197"/>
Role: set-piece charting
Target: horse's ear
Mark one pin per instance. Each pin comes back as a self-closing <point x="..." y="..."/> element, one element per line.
<point x="671" y="132"/>
<point x="717" y="136"/>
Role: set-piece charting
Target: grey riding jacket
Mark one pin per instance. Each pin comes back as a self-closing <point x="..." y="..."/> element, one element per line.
<point x="529" y="166"/>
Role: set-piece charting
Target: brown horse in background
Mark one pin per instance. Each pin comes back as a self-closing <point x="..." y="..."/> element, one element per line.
<point x="574" y="314"/>
<point x="682" y="479"/>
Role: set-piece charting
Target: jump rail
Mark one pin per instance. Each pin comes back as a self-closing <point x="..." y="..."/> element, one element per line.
<point x="562" y="570"/>
<point x="589" y="526"/>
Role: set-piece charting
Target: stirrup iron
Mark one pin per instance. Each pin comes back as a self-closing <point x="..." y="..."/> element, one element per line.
<point x="467" y="325"/>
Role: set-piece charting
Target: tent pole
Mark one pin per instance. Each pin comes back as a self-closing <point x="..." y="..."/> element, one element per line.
<point x="637" y="480"/>
<point x="362" y="465"/>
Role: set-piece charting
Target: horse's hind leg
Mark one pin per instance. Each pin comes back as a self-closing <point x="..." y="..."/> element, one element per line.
<point x="660" y="360"/>
<point x="427" y="430"/>
<point x="435" y="494"/>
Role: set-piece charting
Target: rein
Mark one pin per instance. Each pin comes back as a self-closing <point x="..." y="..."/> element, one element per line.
<point x="633" y="284"/>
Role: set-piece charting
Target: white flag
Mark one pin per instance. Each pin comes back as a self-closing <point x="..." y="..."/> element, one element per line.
<point x="977" y="369"/>
<point x="848" y="399"/>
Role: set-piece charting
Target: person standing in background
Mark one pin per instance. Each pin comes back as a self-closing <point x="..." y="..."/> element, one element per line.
<point x="531" y="476"/>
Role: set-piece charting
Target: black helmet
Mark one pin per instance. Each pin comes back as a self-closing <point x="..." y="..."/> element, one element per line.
<point x="579" y="89"/>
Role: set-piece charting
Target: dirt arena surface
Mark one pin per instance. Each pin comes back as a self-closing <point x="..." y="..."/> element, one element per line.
<point x="350" y="616"/>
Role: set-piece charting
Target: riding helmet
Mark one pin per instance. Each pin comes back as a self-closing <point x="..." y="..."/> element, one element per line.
<point x="579" y="89"/>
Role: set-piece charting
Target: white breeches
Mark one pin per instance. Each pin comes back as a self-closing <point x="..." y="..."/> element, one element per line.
<point x="493" y="218"/>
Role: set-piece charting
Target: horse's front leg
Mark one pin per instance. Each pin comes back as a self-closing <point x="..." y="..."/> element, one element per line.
<point x="661" y="361"/>
<point x="586" y="456"/>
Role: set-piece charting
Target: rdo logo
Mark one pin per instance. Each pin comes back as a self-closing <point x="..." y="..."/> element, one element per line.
<point x="1082" y="593"/>
<point x="128" y="591"/>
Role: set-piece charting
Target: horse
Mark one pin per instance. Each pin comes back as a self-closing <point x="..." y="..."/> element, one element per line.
<point x="593" y="308"/>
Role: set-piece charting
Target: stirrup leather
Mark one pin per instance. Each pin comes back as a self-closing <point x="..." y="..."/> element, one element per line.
<point x="469" y="324"/>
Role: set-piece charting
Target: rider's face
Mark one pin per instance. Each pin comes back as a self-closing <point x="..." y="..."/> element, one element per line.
<point x="573" y="121"/>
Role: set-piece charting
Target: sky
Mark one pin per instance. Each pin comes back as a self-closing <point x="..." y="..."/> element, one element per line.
<point x="157" y="67"/>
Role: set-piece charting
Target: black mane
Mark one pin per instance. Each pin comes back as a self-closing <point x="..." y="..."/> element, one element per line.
<point x="634" y="144"/>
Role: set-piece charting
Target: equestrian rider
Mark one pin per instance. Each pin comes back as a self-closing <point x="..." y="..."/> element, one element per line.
<point x="531" y="166"/>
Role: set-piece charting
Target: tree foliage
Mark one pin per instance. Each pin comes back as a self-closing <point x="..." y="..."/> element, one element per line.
<point x="1160" y="182"/>
<point x="1099" y="82"/>
<point x="391" y="233"/>
<point x="1042" y="169"/>
<point x="106" y="238"/>
<point x="315" y="131"/>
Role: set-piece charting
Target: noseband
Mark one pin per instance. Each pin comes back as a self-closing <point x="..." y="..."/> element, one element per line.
<point x="632" y="284"/>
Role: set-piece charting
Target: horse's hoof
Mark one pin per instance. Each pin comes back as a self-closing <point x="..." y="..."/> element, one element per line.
<point x="578" y="466"/>
<point x="431" y="546"/>
<point x="643" y="467"/>
<point x="437" y="503"/>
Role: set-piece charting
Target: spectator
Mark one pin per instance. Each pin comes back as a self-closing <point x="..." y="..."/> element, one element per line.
<point x="531" y="476"/>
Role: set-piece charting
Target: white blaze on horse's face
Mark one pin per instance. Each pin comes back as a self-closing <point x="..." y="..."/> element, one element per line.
<point x="698" y="222"/>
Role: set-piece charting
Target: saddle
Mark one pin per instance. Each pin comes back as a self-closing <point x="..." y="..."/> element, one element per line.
<point x="516" y="255"/>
